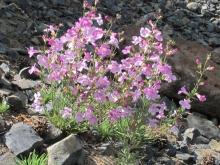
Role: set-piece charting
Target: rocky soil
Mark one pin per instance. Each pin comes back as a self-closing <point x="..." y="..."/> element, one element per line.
<point x="194" y="25"/>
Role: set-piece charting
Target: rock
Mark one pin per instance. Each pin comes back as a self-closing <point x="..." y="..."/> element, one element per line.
<point x="65" y="152"/>
<point x="2" y="48"/>
<point x="183" y="64"/>
<point x="216" y="50"/>
<point x="214" y="41"/>
<point x="2" y="124"/>
<point x="53" y="133"/>
<point x="190" y="135"/>
<point x="5" y="68"/>
<point x="194" y="6"/>
<point x="5" y="92"/>
<point x="206" y="127"/>
<point x="22" y="139"/>
<point x="204" y="153"/>
<point x="171" y="151"/>
<point x="165" y="160"/>
<point x="8" y="159"/>
<point x="202" y="140"/>
<point x="24" y="83"/>
<point x="187" y="158"/>
<point x="214" y="145"/>
<point x="17" y="101"/>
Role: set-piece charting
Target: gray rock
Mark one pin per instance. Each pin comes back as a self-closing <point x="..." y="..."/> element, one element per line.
<point x="24" y="83"/>
<point x="3" y="48"/>
<point x="202" y="140"/>
<point x="202" y="153"/>
<point x="17" y="101"/>
<point x="8" y="159"/>
<point x="214" y="145"/>
<point x="194" y="6"/>
<point x="5" y="68"/>
<point x="53" y="133"/>
<point x="206" y="127"/>
<point x="5" y="92"/>
<point x="215" y="41"/>
<point x="216" y="50"/>
<point x="65" y="152"/>
<point x="22" y="139"/>
<point x="2" y="124"/>
<point x="187" y="158"/>
<point x="190" y="135"/>
<point x="165" y="160"/>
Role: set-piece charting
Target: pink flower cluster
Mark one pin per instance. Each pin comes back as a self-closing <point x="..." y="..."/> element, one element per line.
<point x="84" y="57"/>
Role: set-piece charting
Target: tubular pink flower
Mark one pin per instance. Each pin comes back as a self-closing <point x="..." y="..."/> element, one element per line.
<point x="183" y="91"/>
<point x="145" y="32"/>
<point x="104" y="50"/>
<point x="201" y="98"/>
<point x="32" y="51"/>
<point x="185" y="104"/>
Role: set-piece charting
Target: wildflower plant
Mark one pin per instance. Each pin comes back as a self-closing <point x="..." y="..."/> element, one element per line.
<point x="92" y="81"/>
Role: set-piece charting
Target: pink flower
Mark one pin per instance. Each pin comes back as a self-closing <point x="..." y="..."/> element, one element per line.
<point x="198" y="62"/>
<point x="118" y="113"/>
<point x="157" y="109"/>
<point x="126" y="50"/>
<point x="174" y="129"/>
<point x="79" y="117"/>
<point x="185" y="103"/>
<point x="102" y="82"/>
<point x="114" y="67"/>
<point x="210" y="68"/>
<point x="104" y="50"/>
<point x="84" y="80"/>
<point x="114" y="96"/>
<point x="90" y="116"/>
<point x="145" y="32"/>
<point x="87" y="56"/>
<point x="151" y="93"/>
<point x="183" y="91"/>
<point x="153" y="123"/>
<point x="99" y="20"/>
<point x="136" y="95"/>
<point x="32" y="51"/>
<point x="136" y="40"/>
<point x="100" y="96"/>
<point x="113" y="40"/>
<point x="158" y="35"/>
<point x="201" y="98"/>
<point x="66" y="113"/>
<point x="34" y="69"/>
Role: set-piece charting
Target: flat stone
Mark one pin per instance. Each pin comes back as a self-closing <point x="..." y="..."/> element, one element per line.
<point x="193" y="6"/>
<point x="5" y="68"/>
<point x="24" y="83"/>
<point x="65" y="152"/>
<point x="22" y="139"/>
<point x="5" y="92"/>
<point x="214" y="145"/>
<point x="8" y="159"/>
<point x="206" y="127"/>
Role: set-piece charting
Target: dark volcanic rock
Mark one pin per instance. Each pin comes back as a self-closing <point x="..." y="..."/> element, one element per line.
<point x="22" y="139"/>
